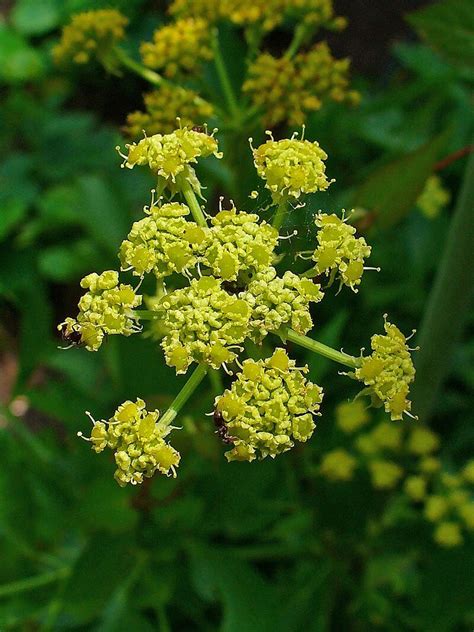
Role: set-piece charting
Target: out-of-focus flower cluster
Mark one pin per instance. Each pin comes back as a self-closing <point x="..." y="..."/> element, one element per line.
<point x="90" y="34"/>
<point x="269" y="406"/>
<point x="433" y="198"/>
<point x="404" y="458"/>
<point x="179" y="47"/>
<point x="137" y="438"/>
<point x="288" y="89"/>
<point x="163" y="107"/>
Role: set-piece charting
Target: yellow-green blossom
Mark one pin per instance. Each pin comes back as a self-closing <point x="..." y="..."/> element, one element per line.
<point x="170" y="156"/>
<point x="163" y="242"/>
<point x="433" y="198"/>
<point x="384" y="474"/>
<point x="468" y="472"/>
<point x="239" y="244"/>
<point x="277" y="301"/>
<point x="466" y="512"/>
<point x="387" y="436"/>
<point x="339" y="251"/>
<point x="288" y="89"/>
<point x="269" y="406"/>
<point x="429" y="464"/>
<point x="448" y="534"/>
<point x="338" y="465"/>
<point x="351" y="416"/>
<point x="436" y="508"/>
<point x="388" y="371"/>
<point x="203" y="324"/>
<point x="106" y="308"/>
<point x="91" y="34"/>
<point x="291" y="167"/>
<point x="137" y="438"/>
<point x="415" y="487"/>
<point x="163" y="106"/>
<point x="422" y="441"/>
<point x="179" y="47"/>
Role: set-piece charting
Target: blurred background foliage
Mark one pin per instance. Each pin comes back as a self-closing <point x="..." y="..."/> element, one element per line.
<point x="233" y="547"/>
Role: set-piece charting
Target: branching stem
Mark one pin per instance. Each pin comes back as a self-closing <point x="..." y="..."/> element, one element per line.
<point x="185" y="393"/>
<point x="319" y="348"/>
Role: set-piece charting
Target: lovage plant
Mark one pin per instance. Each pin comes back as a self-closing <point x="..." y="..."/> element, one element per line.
<point x="234" y="293"/>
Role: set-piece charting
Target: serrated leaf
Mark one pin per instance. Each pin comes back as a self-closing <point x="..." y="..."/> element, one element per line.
<point x="448" y="26"/>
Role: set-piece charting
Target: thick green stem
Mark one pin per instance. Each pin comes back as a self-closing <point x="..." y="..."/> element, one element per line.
<point x="448" y="305"/>
<point x="146" y="314"/>
<point x="150" y="75"/>
<point x="185" y="393"/>
<point x="224" y="78"/>
<point x="302" y="32"/>
<point x="320" y="348"/>
<point x="280" y="214"/>
<point x="30" y="583"/>
<point x="190" y="197"/>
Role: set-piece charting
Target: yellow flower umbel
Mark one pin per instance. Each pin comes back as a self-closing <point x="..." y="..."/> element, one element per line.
<point x="339" y="252"/>
<point x="422" y="441"/>
<point x="164" y="242"/>
<point x="179" y="47"/>
<point x="288" y="89"/>
<point x="163" y="107"/>
<point x="448" y="534"/>
<point x="203" y="324"/>
<point x="433" y="198"/>
<point x="106" y="308"/>
<point x="385" y="474"/>
<point x="171" y="156"/>
<point x="239" y="244"/>
<point x="269" y="406"/>
<point x="388" y="371"/>
<point x="138" y="439"/>
<point x="277" y="301"/>
<point x="338" y="465"/>
<point x="291" y="167"/>
<point x="90" y="34"/>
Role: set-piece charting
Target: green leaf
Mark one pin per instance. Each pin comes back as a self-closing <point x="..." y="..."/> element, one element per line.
<point x="448" y="26"/>
<point x="392" y="190"/>
<point x="31" y="17"/>
<point x="20" y="62"/>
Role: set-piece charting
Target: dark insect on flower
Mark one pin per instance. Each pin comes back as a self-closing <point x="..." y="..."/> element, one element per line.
<point x="73" y="337"/>
<point x="201" y="129"/>
<point x="221" y="427"/>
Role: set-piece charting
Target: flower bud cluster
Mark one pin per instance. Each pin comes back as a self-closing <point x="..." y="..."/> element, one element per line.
<point x="138" y="440"/>
<point x="163" y="242"/>
<point x="339" y="252"/>
<point x="203" y="323"/>
<point x="163" y="106"/>
<point x="433" y="198"/>
<point x="239" y="244"/>
<point x="106" y="308"/>
<point x="90" y="34"/>
<point x="291" y="167"/>
<point x="288" y="89"/>
<point x="388" y="371"/>
<point x="269" y="406"/>
<point x="179" y="47"/>
<point x="277" y="301"/>
<point x="171" y="155"/>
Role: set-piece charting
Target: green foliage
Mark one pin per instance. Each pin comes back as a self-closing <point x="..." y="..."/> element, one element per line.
<point x="252" y="547"/>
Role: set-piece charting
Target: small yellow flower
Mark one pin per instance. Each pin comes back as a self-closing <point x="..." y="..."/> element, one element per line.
<point x="466" y="512"/>
<point x="163" y="107"/>
<point x="91" y="34"/>
<point x="429" y="464"/>
<point x="388" y="371"/>
<point x="138" y="439"/>
<point x="106" y="308"/>
<point x="291" y="167"/>
<point x="268" y="407"/>
<point x="433" y="198"/>
<point x="448" y="534"/>
<point x="436" y="508"/>
<point x="422" y="441"/>
<point x="385" y="474"/>
<point x="179" y="47"/>
<point x="468" y="472"/>
<point x="338" y="465"/>
<point x="351" y="416"/>
<point x="415" y="487"/>
<point x="387" y="436"/>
